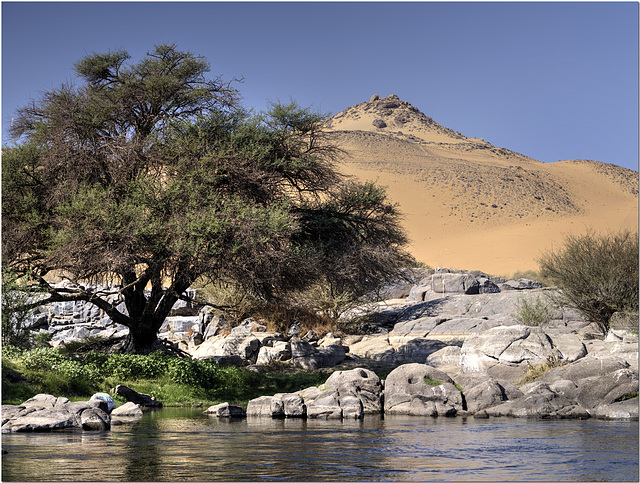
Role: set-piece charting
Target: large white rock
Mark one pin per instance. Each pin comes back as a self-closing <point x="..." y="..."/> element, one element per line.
<point x="508" y="345"/>
<point x="225" y="410"/>
<point x="281" y="351"/>
<point x="376" y="348"/>
<point x="407" y="392"/>
<point x="128" y="409"/>
<point x="362" y="384"/>
<point x="266" y="406"/>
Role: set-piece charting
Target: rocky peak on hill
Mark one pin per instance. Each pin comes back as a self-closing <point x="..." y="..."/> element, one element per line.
<point x="390" y="115"/>
<point x="398" y="120"/>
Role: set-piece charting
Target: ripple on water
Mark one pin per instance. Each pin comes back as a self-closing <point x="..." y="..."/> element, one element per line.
<point x="184" y="445"/>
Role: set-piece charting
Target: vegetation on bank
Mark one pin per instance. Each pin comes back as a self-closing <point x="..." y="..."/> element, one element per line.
<point x="598" y="274"/>
<point x="171" y="380"/>
<point x="534" y="372"/>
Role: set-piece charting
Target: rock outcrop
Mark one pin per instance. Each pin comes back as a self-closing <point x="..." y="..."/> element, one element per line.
<point x="266" y="406"/>
<point x="540" y="401"/>
<point x="128" y="410"/>
<point x="135" y="397"/>
<point x="345" y="395"/>
<point x="421" y="390"/>
<point x="456" y="341"/>
<point x="45" y="412"/>
<point x="225" y="410"/>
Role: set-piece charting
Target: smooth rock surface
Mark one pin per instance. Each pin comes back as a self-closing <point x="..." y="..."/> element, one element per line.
<point x="406" y="392"/>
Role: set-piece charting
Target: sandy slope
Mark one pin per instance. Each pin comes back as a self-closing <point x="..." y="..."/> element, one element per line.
<point x="471" y="205"/>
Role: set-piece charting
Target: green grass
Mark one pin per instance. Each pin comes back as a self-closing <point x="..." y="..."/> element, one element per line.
<point x="432" y="382"/>
<point x="174" y="382"/>
<point x="435" y="382"/>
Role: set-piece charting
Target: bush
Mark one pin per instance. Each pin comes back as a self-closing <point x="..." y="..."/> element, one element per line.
<point x="533" y="311"/>
<point x="528" y="274"/>
<point x="170" y="379"/>
<point x="195" y="373"/>
<point x="42" y="358"/>
<point x="51" y="360"/>
<point x="135" y="366"/>
<point x="532" y="373"/>
<point x="598" y="274"/>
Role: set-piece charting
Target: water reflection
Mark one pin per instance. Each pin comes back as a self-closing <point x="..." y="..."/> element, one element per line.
<point x="185" y="445"/>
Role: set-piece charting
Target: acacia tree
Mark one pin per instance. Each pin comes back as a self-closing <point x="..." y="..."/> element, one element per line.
<point x="152" y="176"/>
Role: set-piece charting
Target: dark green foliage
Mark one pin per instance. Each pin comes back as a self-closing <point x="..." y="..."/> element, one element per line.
<point x="15" y="387"/>
<point x="151" y="175"/>
<point x="195" y="373"/>
<point x="173" y="380"/>
<point x="598" y="274"/>
<point x="45" y="370"/>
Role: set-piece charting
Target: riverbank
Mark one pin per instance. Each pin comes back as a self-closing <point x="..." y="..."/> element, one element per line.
<point x="174" y="382"/>
<point x="490" y="347"/>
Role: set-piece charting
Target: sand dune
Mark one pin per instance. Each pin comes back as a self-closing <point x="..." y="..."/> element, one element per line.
<point x="468" y="204"/>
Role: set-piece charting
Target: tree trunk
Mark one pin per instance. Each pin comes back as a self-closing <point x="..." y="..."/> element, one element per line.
<point x="142" y="339"/>
<point x="146" y="323"/>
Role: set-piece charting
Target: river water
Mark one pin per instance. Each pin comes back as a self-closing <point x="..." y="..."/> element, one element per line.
<point x="176" y="444"/>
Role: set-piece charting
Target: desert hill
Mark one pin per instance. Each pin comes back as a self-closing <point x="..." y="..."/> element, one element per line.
<point x="469" y="204"/>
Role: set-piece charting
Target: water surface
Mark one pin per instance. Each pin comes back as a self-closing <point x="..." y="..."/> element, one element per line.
<point x="184" y="445"/>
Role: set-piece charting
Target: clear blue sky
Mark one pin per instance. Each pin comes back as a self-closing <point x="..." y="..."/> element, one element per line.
<point x="549" y="80"/>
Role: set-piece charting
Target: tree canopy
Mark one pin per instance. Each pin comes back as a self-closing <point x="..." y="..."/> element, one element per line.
<point x="152" y="176"/>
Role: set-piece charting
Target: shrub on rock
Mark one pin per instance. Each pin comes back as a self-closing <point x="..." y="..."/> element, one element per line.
<point x="598" y="274"/>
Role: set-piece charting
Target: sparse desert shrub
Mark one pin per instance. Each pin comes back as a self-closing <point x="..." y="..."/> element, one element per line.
<point x="598" y="274"/>
<point x="232" y="299"/>
<point x="531" y="373"/>
<point x="528" y="274"/>
<point x="327" y="301"/>
<point x="278" y="315"/>
<point x="419" y="264"/>
<point x="534" y="311"/>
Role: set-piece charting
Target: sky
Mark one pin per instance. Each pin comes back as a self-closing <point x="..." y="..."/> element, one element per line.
<point x="549" y="80"/>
